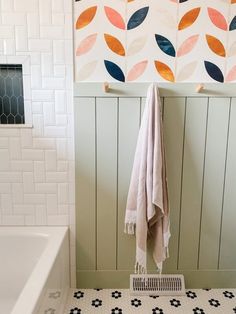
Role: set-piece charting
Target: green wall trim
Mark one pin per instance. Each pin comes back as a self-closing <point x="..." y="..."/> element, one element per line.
<point x="193" y="279"/>
<point x="92" y="89"/>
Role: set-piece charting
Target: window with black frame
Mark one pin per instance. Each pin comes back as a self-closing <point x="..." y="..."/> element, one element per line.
<point x="11" y="94"/>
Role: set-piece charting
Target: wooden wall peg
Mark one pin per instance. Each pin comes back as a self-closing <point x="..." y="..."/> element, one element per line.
<point x="199" y="88"/>
<point x="106" y="87"/>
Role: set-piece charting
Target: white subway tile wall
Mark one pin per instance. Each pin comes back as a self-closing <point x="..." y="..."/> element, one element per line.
<point x="37" y="165"/>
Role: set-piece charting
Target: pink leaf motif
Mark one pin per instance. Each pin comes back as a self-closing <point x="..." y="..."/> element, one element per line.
<point x="187" y="45"/>
<point x="86" y="44"/>
<point x="217" y="19"/>
<point x="114" y="17"/>
<point x="137" y="70"/>
<point x="231" y="76"/>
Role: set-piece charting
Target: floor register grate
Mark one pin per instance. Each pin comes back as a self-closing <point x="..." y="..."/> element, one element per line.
<point x="157" y="285"/>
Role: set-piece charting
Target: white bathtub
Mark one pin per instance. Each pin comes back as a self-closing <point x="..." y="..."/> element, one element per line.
<point x="34" y="269"/>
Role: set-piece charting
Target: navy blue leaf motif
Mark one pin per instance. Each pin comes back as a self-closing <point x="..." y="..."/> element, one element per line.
<point x="181" y="1"/>
<point x="137" y="18"/>
<point x="165" y="45"/>
<point x="232" y="25"/>
<point x="114" y="70"/>
<point x="214" y="71"/>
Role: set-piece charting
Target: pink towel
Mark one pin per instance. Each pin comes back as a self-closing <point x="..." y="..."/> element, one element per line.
<point x="147" y="211"/>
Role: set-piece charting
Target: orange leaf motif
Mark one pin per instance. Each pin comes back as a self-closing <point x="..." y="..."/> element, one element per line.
<point x="188" y="19"/>
<point x="233" y="1"/>
<point x="216" y="45"/>
<point x="115" y="18"/>
<point x="114" y="44"/>
<point x="164" y="71"/>
<point x="86" y="17"/>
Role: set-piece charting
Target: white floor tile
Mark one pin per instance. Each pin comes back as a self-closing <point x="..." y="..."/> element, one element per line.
<point x="112" y="301"/>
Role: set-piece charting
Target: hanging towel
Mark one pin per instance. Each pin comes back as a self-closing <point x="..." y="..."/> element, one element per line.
<point x="147" y="211"/>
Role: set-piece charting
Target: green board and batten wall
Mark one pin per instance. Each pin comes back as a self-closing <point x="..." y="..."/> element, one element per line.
<point x="200" y="137"/>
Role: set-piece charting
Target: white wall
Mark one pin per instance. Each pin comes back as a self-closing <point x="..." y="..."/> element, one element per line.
<point x="37" y="163"/>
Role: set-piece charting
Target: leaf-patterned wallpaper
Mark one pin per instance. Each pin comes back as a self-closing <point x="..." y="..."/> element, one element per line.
<point x="155" y="40"/>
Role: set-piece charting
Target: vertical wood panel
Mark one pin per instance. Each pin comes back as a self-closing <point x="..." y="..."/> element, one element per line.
<point x="106" y="182"/>
<point x="217" y="129"/>
<point x="202" y="194"/>
<point x="129" y="116"/>
<point x="194" y="146"/>
<point x="174" y="114"/>
<point x="227" y="250"/>
<point x="85" y="183"/>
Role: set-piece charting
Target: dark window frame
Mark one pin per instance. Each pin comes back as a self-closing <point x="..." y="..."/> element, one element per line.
<point x="12" y="107"/>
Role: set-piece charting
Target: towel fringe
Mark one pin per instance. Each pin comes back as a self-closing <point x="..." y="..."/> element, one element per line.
<point x="129" y="228"/>
<point x="139" y="269"/>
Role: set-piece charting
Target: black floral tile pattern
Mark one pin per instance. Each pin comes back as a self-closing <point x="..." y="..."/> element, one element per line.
<point x="191" y="294"/>
<point x="197" y="310"/>
<point x="116" y="310"/>
<point x="228" y="294"/>
<point x="136" y="302"/>
<point x="154" y="296"/>
<point x="175" y="303"/>
<point x="157" y="310"/>
<point x="78" y="294"/>
<point x="214" y="302"/>
<point x="75" y="311"/>
<point x="109" y="301"/>
<point x="97" y="303"/>
<point x="116" y="294"/>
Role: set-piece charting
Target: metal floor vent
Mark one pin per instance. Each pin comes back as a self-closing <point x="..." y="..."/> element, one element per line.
<point x="157" y="285"/>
